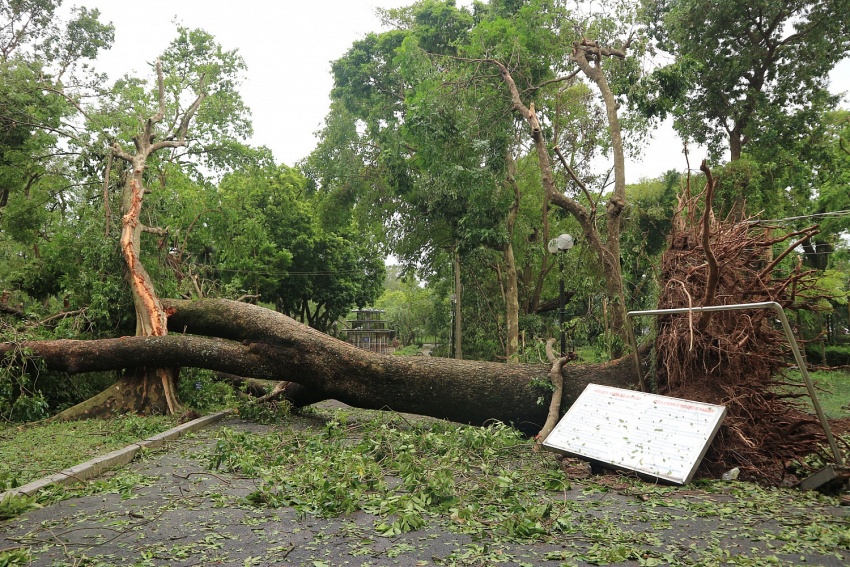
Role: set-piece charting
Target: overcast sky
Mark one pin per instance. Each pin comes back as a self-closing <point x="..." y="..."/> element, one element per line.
<point x="288" y="46"/>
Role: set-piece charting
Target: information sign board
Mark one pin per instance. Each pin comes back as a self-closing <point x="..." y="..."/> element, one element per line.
<point x="655" y="435"/>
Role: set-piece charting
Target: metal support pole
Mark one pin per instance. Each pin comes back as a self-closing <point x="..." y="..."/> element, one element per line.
<point x="452" y="332"/>
<point x="563" y="305"/>
<point x="801" y="364"/>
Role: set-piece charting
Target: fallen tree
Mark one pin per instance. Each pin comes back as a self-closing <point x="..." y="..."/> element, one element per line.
<point x="736" y="358"/>
<point x="247" y="340"/>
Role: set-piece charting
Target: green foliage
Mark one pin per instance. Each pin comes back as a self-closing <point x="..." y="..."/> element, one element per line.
<point x="440" y="193"/>
<point x="414" y="311"/>
<point x="192" y="64"/>
<point x="20" y="400"/>
<point x="29" y="392"/>
<point x="199" y="390"/>
<point x="443" y="153"/>
<point x="645" y="234"/>
<point x="480" y="478"/>
<point x="268" y="240"/>
<point x="264" y="412"/>
<point x="744" y="71"/>
<point x="15" y="505"/>
<point x="836" y="355"/>
<point x="38" y="50"/>
<point x="15" y="556"/>
<point x="258" y="233"/>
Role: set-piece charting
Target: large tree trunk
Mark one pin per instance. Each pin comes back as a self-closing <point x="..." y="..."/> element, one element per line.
<point x="248" y="340"/>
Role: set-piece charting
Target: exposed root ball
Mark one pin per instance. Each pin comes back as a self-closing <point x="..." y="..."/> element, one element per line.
<point x="734" y="357"/>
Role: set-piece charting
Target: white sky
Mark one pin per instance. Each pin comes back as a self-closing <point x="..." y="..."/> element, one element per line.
<point x="288" y="46"/>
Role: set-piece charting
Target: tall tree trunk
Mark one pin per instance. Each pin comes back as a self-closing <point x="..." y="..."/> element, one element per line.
<point x="458" y="323"/>
<point x="608" y="250"/>
<point x="511" y="277"/>
<point x="511" y="306"/>
<point x="144" y="389"/>
<point x="736" y="144"/>
<point x="617" y="201"/>
<point x="155" y="387"/>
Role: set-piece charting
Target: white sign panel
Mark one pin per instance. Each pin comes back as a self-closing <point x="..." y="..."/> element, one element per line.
<point x="655" y="435"/>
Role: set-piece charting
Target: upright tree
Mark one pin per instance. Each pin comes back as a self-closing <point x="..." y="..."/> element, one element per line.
<point x="747" y="64"/>
<point x="44" y="76"/>
<point x="193" y="93"/>
<point x="590" y="55"/>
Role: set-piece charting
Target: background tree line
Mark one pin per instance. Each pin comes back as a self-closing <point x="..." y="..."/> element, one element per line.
<point x="460" y="140"/>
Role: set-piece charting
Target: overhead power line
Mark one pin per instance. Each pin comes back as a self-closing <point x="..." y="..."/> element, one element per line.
<point x="831" y="214"/>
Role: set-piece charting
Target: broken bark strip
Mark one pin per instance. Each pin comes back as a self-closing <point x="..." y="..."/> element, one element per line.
<point x="140" y="282"/>
<point x="260" y="343"/>
<point x="151" y="318"/>
<point x="557" y="378"/>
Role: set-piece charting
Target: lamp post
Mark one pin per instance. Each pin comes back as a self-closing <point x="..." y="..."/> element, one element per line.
<point x="556" y="246"/>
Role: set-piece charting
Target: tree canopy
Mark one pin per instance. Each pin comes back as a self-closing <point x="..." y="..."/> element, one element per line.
<point x="749" y="69"/>
<point x="460" y="139"/>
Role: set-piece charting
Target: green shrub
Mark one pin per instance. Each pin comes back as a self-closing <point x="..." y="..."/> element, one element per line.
<point x="836" y="355"/>
<point x="29" y="392"/>
<point x="19" y="398"/>
<point x="199" y="390"/>
<point x="29" y="407"/>
<point x="442" y="350"/>
<point x="62" y="390"/>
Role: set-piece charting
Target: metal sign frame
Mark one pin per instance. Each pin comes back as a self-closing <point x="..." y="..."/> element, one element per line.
<point x="656" y="436"/>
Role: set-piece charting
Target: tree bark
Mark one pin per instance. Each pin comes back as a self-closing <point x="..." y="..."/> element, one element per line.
<point x="247" y="340"/>
<point x="457" y="322"/>
<point x="511" y="305"/>
<point x="147" y="389"/>
<point x="511" y="285"/>
<point x="616" y="204"/>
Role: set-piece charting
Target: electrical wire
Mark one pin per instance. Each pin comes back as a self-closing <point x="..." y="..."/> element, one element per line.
<point x="831" y="214"/>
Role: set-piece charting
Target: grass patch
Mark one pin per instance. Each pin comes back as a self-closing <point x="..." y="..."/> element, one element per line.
<point x="591" y="355"/>
<point x="29" y="452"/>
<point x="409" y="350"/>
<point x="833" y="389"/>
